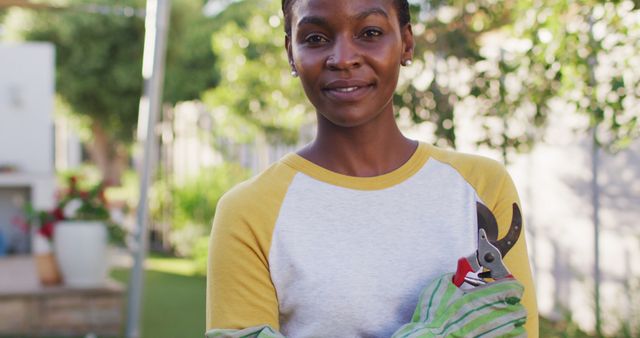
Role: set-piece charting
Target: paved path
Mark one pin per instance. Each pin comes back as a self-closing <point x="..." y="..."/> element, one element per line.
<point x="18" y="275"/>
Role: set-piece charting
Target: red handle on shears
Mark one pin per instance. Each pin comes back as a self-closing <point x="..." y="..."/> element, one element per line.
<point x="464" y="267"/>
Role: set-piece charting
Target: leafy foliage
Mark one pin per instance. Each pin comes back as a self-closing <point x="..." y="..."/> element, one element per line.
<point x="78" y="204"/>
<point x="98" y="62"/>
<point x="193" y="204"/>
<point x="578" y="52"/>
<point x="255" y="80"/>
<point x="596" y="53"/>
<point x="195" y="201"/>
<point x="190" y="59"/>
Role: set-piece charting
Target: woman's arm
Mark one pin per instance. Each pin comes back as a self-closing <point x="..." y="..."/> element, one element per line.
<point x="517" y="260"/>
<point x="239" y="289"/>
<point x="240" y="293"/>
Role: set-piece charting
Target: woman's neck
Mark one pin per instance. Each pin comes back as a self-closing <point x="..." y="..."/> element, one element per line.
<point x="372" y="149"/>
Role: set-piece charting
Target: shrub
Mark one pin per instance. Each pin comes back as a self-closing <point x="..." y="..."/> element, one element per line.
<point x="193" y="204"/>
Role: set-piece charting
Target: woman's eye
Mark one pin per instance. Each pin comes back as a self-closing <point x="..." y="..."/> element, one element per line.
<point x="315" y="38"/>
<point x="372" y="33"/>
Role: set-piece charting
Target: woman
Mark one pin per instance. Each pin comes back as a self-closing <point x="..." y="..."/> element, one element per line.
<point x="339" y="239"/>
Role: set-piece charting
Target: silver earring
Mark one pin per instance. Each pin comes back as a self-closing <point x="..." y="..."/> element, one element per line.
<point x="407" y="63"/>
<point x="294" y="73"/>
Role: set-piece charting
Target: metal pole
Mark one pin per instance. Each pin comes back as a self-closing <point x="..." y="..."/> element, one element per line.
<point x="156" y="23"/>
<point x="595" y="188"/>
<point x="596" y="228"/>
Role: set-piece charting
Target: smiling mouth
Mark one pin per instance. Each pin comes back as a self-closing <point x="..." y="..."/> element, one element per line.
<point x="348" y="93"/>
<point x="346" y="89"/>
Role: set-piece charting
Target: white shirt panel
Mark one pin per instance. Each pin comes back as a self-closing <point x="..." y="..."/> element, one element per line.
<point x="351" y="263"/>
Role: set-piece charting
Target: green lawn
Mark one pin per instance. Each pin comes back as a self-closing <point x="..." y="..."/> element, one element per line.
<point x="174" y="299"/>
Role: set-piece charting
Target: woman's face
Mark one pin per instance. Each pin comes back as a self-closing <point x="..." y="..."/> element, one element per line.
<point x="348" y="55"/>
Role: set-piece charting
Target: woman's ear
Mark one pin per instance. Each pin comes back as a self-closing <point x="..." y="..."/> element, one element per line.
<point x="408" y="43"/>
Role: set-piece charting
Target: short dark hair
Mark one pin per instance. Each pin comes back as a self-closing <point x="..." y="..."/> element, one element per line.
<point x="402" y="7"/>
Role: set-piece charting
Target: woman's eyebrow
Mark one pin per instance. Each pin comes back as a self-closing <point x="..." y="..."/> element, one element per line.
<point x="371" y="11"/>
<point x="321" y="21"/>
<point x="312" y="20"/>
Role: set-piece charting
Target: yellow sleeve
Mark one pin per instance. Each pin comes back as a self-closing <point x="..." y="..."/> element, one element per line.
<point x="517" y="259"/>
<point x="496" y="190"/>
<point x="240" y="292"/>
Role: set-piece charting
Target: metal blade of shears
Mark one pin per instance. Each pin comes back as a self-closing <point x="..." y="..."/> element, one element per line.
<point x="490" y="258"/>
<point x="488" y="223"/>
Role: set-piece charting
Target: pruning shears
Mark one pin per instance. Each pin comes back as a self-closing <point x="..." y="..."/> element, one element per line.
<point x="491" y="251"/>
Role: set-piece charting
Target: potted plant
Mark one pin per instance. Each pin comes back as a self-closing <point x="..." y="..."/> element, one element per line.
<point x="75" y="233"/>
<point x="80" y="236"/>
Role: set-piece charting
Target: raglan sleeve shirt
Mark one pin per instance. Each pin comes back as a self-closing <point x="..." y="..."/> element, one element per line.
<point x="298" y="247"/>
<point x="240" y="292"/>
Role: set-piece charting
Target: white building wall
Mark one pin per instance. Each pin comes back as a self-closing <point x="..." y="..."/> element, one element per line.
<point x="26" y="124"/>
<point x="26" y="135"/>
<point x="26" y="106"/>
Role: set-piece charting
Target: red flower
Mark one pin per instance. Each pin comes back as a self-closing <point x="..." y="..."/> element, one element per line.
<point x="58" y="214"/>
<point x="47" y="230"/>
<point x="73" y="203"/>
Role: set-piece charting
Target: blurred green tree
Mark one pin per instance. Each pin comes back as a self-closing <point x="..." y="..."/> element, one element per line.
<point x="511" y="59"/>
<point x="594" y="46"/>
<point x="98" y="67"/>
<point x="255" y="81"/>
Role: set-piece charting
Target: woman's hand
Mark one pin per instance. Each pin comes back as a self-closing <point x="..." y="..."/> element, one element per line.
<point x="490" y="310"/>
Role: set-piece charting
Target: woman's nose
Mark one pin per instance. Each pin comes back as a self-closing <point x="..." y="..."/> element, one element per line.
<point x="344" y="54"/>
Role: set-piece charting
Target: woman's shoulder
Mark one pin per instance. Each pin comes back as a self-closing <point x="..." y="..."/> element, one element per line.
<point x="265" y="186"/>
<point x="488" y="177"/>
<point x="468" y="164"/>
<point x="248" y="211"/>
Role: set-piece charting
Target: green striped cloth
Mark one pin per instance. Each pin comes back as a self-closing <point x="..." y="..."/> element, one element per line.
<point x="444" y="310"/>
<point x="263" y="331"/>
<point x="490" y="310"/>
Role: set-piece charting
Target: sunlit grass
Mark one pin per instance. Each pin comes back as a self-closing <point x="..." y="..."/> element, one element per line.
<point x="174" y="298"/>
<point x="172" y="265"/>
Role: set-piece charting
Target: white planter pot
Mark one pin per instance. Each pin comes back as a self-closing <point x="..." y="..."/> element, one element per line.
<point x="81" y="250"/>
